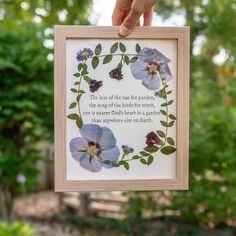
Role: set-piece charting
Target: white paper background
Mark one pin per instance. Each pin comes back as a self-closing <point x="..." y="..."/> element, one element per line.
<point x="163" y="167"/>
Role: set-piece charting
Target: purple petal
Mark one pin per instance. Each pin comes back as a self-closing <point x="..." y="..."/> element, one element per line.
<point x="91" y="132"/>
<point x="94" y="165"/>
<point x="108" y="139"/>
<point x="138" y="70"/>
<point x="111" y="155"/>
<point x="152" y="82"/>
<point x="147" y="55"/>
<point x="165" y="72"/>
<point x="76" y="146"/>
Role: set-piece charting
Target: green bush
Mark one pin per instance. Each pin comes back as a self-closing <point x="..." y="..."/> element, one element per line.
<point x="16" y="229"/>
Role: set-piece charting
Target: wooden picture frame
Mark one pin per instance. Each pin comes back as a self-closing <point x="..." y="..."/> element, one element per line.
<point x="179" y="36"/>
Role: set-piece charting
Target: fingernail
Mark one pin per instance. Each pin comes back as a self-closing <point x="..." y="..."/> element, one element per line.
<point x="123" y="31"/>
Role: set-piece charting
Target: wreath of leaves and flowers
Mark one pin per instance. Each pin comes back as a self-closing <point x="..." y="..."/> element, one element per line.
<point x="96" y="148"/>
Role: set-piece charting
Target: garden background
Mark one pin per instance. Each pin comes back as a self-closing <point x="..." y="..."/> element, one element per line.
<point x="26" y="127"/>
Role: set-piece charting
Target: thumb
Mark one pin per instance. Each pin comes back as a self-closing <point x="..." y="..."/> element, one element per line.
<point x="130" y="21"/>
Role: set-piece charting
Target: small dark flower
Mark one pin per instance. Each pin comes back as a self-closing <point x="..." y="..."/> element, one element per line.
<point x="127" y="149"/>
<point x="161" y="94"/>
<point x="95" y="85"/>
<point x="116" y="74"/>
<point x="152" y="139"/>
<point x="84" y="54"/>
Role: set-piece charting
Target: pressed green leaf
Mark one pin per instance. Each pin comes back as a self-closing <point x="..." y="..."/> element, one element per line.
<point x="170" y="141"/>
<point x="122" y="47"/>
<point x="77" y="83"/>
<point x="77" y="74"/>
<point x="164" y="104"/>
<point x="144" y="153"/>
<point x="126" y="59"/>
<point x="78" y="97"/>
<point x="126" y="165"/>
<point x="74" y="90"/>
<point x="151" y="149"/>
<point x="172" y="117"/>
<point x="84" y="72"/>
<point x="87" y="79"/>
<point x="169" y="92"/>
<point x="167" y="150"/>
<point x="143" y="161"/>
<point x="114" y="47"/>
<point x="72" y="105"/>
<point x="161" y="133"/>
<point x="163" y="112"/>
<point x="80" y="66"/>
<point x="164" y="123"/>
<point x="84" y="66"/>
<point x="150" y="160"/>
<point x="133" y="59"/>
<point x="119" y="66"/>
<point x="98" y="49"/>
<point x="170" y="102"/>
<point x="137" y="48"/>
<point x="115" y="164"/>
<point x="171" y="123"/>
<point x="107" y="59"/>
<point x="95" y="62"/>
<point x="79" y="122"/>
<point x="81" y="91"/>
<point x="73" y="116"/>
<point x="136" y="157"/>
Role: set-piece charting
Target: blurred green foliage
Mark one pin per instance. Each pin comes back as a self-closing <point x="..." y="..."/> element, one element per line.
<point x="16" y="229"/>
<point x="26" y="87"/>
<point x="211" y="197"/>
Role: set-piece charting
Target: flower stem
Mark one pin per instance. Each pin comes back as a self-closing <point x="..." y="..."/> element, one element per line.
<point x="167" y="110"/>
<point x="80" y="80"/>
<point x="118" y="54"/>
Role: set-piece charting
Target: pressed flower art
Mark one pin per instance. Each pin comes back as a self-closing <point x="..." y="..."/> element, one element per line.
<point x="95" y="147"/>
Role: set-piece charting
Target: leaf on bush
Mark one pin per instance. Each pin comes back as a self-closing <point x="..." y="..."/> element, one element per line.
<point x="107" y="59"/>
<point x="98" y="49"/>
<point x="95" y="62"/>
<point x="122" y="47"/>
<point x="170" y="141"/>
<point x="114" y="47"/>
<point x="167" y="150"/>
<point x="72" y="105"/>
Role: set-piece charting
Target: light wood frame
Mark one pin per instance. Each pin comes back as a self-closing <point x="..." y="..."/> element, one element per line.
<point x="181" y="34"/>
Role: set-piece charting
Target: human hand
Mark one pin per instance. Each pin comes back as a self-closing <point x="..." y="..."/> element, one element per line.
<point x="127" y="13"/>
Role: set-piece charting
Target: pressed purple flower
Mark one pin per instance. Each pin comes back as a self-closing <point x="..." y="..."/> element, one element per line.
<point x="20" y="178"/>
<point x="95" y="85"/>
<point x="127" y="149"/>
<point x="151" y="67"/>
<point x="116" y="74"/>
<point x="95" y="149"/>
<point x="84" y="54"/>
<point x="152" y="138"/>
